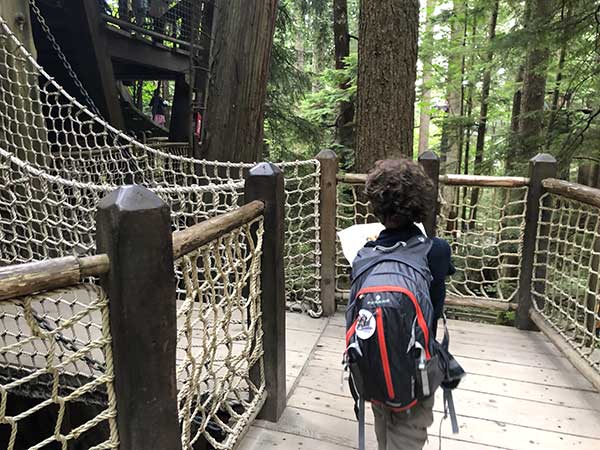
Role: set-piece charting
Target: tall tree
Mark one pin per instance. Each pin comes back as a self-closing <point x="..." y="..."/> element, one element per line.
<point x="387" y="70"/>
<point x="531" y="118"/>
<point x="341" y="35"/>
<point x="485" y="91"/>
<point x="426" y="58"/>
<point x="509" y="160"/>
<point x="454" y="86"/>
<point x="239" y="72"/>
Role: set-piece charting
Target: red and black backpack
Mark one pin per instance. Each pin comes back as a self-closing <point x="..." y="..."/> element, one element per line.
<point x="393" y="359"/>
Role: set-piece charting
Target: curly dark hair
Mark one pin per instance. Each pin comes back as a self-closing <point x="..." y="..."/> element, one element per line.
<point x="400" y="192"/>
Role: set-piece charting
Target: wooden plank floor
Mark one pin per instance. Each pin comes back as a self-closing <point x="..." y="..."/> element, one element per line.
<point x="520" y="393"/>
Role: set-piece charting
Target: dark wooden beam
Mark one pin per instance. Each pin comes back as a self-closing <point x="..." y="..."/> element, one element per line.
<point x="93" y="62"/>
<point x="181" y="113"/>
<point x="136" y="52"/>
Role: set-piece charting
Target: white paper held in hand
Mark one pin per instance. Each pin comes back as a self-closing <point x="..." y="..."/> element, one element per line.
<point x="355" y="237"/>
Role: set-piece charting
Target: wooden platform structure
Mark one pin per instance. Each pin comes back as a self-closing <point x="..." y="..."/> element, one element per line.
<point x="520" y="393"/>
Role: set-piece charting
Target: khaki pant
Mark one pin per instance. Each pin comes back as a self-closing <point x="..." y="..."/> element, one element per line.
<point x="403" y="430"/>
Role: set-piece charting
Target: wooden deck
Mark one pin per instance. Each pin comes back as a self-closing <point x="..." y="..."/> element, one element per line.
<point x="520" y="393"/>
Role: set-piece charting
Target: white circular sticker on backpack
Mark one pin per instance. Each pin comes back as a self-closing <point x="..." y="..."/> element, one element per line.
<point x="366" y="324"/>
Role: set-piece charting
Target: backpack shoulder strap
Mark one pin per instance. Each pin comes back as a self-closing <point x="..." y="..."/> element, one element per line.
<point x="413" y="253"/>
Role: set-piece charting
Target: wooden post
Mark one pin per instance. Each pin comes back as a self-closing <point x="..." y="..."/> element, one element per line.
<point x="327" y="223"/>
<point x="431" y="164"/>
<point x="541" y="166"/>
<point x="591" y="301"/>
<point x="265" y="182"/>
<point x="134" y="230"/>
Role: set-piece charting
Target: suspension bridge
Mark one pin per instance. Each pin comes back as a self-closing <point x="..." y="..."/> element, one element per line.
<point x="152" y="300"/>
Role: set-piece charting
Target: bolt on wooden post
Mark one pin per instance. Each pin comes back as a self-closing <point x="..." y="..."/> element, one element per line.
<point x="265" y="183"/>
<point x="431" y="165"/>
<point x="134" y="230"/>
<point x="327" y="224"/>
<point x="541" y="166"/>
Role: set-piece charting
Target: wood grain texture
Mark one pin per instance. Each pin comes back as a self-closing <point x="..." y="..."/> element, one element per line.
<point x="192" y="238"/>
<point x="25" y="279"/>
<point x="573" y="191"/>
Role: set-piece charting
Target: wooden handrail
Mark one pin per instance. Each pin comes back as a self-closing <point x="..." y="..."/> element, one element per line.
<point x="28" y="278"/>
<point x="128" y="25"/>
<point x="573" y="191"/>
<point x="194" y="237"/>
<point x="483" y="181"/>
<point x="453" y="180"/>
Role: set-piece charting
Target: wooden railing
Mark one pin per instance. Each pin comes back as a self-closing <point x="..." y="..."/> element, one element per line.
<point x="153" y="292"/>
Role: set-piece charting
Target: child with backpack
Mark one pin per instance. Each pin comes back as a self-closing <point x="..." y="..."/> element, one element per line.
<point x="397" y="297"/>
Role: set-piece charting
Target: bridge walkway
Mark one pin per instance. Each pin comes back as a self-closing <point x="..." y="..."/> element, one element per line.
<point x="520" y="393"/>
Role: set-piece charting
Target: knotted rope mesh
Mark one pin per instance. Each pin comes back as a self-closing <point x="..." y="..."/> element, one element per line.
<point x="220" y="366"/>
<point x="484" y="227"/>
<point x="58" y="159"/>
<point x="485" y="238"/>
<point x="55" y="353"/>
<point x="46" y="133"/>
<point x="565" y="288"/>
<point x="352" y="209"/>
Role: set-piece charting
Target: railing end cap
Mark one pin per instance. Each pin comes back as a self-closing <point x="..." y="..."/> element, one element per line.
<point x="429" y="155"/>
<point x="132" y="198"/>
<point x="264" y="169"/>
<point x="543" y="158"/>
<point x="327" y="153"/>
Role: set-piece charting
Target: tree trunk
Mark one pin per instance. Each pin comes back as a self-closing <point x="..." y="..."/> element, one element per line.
<point x="387" y="70"/>
<point x="511" y="152"/>
<point x="426" y="57"/>
<point x="562" y="56"/>
<point x="454" y="80"/>
<point x="238" y="83"/>
<point x="485" y="93"/>
<point x="531" y="118"/>
<point x="483" y="111"/>
<point x="344" y="123"/>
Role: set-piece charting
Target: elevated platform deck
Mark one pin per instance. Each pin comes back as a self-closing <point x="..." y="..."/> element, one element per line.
<point x="520" y="393"/>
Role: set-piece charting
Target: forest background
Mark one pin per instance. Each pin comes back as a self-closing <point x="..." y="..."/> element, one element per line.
<point x="481" y="67"/>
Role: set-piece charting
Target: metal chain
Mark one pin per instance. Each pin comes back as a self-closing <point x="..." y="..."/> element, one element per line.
<point x="62" y="57"/>
<point x="69" y="344"/>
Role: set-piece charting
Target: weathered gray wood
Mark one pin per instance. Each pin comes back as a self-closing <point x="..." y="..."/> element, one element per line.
<point x="265" y="183"/>
<point x="477" y="302"/>
<point x="327" y="379"/>
<point x="134" y="229"/>
<point x="352" y="178"/>
<point x="592" y="304"/>
<point x="575" y="358"/>
<point x="327" y="223"/>
<point x="194" y="237"/>
<point x="541" y="167"/>
<point x="25" y="279"/>
<point x="484" y="181"/>
<point x="431" y="164"/>
<point x="453" y="180"/>
<point x="574" y="191"/>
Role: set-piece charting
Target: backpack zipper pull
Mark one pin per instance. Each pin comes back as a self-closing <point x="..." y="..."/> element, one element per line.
<point x="423" y="370"/>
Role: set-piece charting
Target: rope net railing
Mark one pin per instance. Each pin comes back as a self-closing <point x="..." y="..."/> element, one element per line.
<point x="302" y="236"/>
<point x="352" y="209"/>
<point x="565" y="288"/>
<point x="44" y="216"/>
<point x="484" y="227"/>
<point x="55" y="354"/>
<point x="220" y="368"/>
<point x="58" y="159"/>
<point x="175" y="21"/>
<point x="485" y="238"/>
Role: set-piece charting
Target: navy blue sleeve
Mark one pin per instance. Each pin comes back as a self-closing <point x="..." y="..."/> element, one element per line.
<point x="440" y="265"/>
